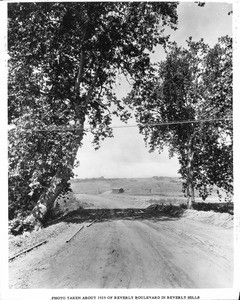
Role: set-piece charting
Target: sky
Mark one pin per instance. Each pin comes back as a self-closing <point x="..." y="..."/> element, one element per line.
<point x="125" y="155"/>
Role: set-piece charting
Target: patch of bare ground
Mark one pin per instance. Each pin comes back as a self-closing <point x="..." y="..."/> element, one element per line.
<point x="154" y="247"/>
<point x="224" y="220"/>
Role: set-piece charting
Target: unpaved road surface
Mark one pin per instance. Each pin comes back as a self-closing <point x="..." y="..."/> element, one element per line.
<point x="127" y="249"/>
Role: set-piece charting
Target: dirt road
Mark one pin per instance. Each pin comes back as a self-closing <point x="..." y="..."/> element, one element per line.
<point x="129" y="252"/>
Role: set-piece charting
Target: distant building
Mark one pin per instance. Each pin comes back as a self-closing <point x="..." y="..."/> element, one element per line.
<point x="118" y="190"/>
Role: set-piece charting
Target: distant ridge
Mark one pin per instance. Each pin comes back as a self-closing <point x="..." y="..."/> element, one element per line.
<point x="123" y="178"/>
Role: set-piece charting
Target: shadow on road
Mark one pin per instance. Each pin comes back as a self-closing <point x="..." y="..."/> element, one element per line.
<point x="153" y="212"/>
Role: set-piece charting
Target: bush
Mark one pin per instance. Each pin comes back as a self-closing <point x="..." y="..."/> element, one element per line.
<point x="226" y="207"/>
<point x="183" y="205"/>
<point x="21" y="224"/>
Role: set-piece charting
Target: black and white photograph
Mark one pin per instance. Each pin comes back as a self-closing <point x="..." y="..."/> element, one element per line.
<point x="121" y="154"/>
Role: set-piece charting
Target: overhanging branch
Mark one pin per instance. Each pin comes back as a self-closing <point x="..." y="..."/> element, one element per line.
<point x="80" y="74"/>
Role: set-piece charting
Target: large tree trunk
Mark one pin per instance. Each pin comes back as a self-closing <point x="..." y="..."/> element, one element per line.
<point x="190" y="196"/>
<point x="46" y="201"/>
<point x="190" y="184"/>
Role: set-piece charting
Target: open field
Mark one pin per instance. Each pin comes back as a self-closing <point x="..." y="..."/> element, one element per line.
<point x="135" y="186"/>
<point x="155" y="188"/>
<point x="126" y="241"/>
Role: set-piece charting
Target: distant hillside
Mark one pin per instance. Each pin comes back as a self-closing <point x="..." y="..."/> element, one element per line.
<point x="155" y="186"/>
<point x="163" y="186"/>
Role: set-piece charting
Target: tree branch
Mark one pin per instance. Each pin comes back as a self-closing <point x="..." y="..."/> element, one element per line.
<point x="81" y="65"/>
<point x="90" y="91"/>
<point x="80" y="74"/>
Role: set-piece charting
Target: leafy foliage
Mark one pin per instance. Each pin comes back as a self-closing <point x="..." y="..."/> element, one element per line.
<point x="64" y="61"/>
<point x="191" y="84"/>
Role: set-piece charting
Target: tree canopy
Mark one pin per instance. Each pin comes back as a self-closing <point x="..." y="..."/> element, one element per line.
<point x="191" y="85"/>
<point x="64" y="60"/>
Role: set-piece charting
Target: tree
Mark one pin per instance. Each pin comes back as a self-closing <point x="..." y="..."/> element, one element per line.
<point x="191" y="85"/>
<point x="64" y="60"/>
